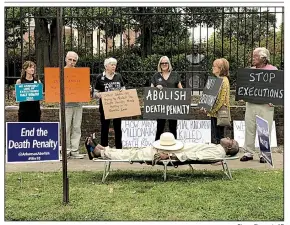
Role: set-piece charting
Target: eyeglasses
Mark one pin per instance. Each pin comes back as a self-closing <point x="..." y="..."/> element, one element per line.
<point x="72" y="60"/>
<point x="164" y="63"/>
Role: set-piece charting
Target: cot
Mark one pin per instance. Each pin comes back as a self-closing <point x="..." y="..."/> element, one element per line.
<point x="166" y="163"/>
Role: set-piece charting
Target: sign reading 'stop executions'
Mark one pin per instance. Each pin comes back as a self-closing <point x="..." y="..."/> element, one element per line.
<point x="168" y="103"/>
<point x="260" y="86"/>
<point x="210" y="92"/>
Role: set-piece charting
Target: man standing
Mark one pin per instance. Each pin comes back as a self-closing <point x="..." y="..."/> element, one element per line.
<point x="261" y="59"/>
<point x="73" y="115"/>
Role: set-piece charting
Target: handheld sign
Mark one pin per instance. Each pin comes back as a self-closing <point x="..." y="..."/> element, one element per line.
<point x="260" y="86"/>
<point x="264" y="142"/>
<point x="138" y="133"/>
<point x="118" y="104"/>
<point x="194" y="131"/>
<point x="239" y="133"/>
<point x="168" y="103"/>
<point x="32" y="142"/>
<point x="210" y="92"/>
<point x="29" y="92"/>
<point x="76" y="84"/>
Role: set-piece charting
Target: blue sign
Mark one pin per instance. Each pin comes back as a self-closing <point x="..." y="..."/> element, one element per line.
<point x="32" y="142"/>
<point x="29" y="92"/>
<point x="263" y="138"/>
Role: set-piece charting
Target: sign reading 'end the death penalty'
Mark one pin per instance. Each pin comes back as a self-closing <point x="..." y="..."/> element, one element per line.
<point x="260" y="86"/>
<point x="210" y="92"/>
<point x="168" y="103"/>
<point x="32" y="142"/>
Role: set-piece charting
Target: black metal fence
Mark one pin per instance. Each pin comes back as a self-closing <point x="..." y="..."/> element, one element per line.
<point x="192" y="37"/>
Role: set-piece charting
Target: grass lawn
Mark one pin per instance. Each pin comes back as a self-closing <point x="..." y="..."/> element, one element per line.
<point x="142" y="195"/>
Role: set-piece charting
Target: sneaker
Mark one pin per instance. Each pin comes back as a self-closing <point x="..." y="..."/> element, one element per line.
<point x="262" y="160"/>
<point x="246" y="158"/>
<point x="76" y="155"/>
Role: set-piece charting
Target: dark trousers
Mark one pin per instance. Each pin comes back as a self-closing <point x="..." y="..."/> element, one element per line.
<point x="105" y="125"/>
<point x="161" y="126"/>
<point x="29" y="116"/>
<point x="218" y="131"/>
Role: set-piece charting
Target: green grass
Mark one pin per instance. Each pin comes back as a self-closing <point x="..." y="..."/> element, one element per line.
<point x="142" y="195"/>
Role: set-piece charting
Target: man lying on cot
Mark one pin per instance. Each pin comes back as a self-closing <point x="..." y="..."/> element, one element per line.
<point x="165" y="148"/>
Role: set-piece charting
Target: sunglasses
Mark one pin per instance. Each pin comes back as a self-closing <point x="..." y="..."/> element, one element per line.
<point x="164" y="63"/>
<point x="72" y="60"/>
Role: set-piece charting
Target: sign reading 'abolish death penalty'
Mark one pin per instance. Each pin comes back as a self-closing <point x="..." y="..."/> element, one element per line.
<point x="210" y="92"/>
<point x="168" y="103"/>
<point x="260" y="86"/>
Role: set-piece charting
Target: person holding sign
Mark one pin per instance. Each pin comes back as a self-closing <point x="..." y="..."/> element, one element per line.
<point x="166" y="148"/>
<point x="74" y="113"/>
<point x="29" y="111"/>
<point x="107" y="81"/>
<point x="261" y="60"/>
<point x="167" y="78"/>
<point x="220" y="69"/>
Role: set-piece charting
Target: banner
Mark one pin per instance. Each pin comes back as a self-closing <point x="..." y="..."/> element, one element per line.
<point x="29" y="92"/>
<point x="210" y="92"/>
<point x="264" y="141"/>
<point x="76" y="84"/>
<point x="119" y="104"/>
<point x="138" y="133"/>
<point x="32" y="142"/>
<point x="239" y="134"/>
<point x="168" y="103"/>
<point x="194" y="131"/>
<point x="260" y="86"/>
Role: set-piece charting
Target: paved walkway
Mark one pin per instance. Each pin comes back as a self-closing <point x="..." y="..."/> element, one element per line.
<point x="89" y="165"/>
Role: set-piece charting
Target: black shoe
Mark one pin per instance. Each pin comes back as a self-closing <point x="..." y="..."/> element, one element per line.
<point x="88" y="147"/>
<point x="246" y="158"/>
<point x="262" y="160"/>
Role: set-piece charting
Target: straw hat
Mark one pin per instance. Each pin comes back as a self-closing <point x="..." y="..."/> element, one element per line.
<point x="167" y="142"/>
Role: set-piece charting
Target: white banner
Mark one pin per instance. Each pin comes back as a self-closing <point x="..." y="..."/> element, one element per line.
<point x="138" y="133"/>
<point x="196" y="131"/>
<point x="239" y="134"/>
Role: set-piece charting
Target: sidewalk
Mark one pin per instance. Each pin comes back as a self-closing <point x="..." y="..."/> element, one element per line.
<point x="89" y="165"/>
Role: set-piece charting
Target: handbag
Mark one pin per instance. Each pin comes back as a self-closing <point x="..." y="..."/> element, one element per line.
<point x="224" y="116"/>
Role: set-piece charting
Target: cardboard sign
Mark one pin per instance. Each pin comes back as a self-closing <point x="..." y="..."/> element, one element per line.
<point x="32" y="142"/>
<point x="138" y="133"/>
<point x="168" y="103"/>
<point x="210" y="92"/>
<point x="118" y="104"/>
<point x="76" y="84"/>
<point x="194" y="131"/>
<point x="239" y="134"/>
<point x="29" y="92"/>
<point x="260" y="86"/>
<point x="264" y="141"/>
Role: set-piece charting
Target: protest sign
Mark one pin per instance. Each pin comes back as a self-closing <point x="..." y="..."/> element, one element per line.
<point x="210" y="92"/>
<point x="138" y="133"/>
<point x="28" y="92"/>
<point x="168" y="103"/>
<point x="32" y="142"/>
<point x="118" y="104"/>
<point x="239" y="134"/>
<point x="260" y="86"/>
<point x="264" y="141"/>
<point x="76" y="84"/>
<point x="194" y="131"/>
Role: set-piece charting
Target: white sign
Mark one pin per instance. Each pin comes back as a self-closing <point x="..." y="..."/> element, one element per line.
<point x="239" y="134"/>
<point x="138" y="133"/>
<point x="195" y="131"/>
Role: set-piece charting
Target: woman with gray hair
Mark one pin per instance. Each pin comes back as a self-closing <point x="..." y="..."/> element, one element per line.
<point x="107" y="81"/>
<point x="261" y="59"/>
<point x="167" y="78"/>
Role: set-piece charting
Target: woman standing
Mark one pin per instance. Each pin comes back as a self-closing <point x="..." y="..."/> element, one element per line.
<point x="29" y="111"/>
<point x="220" y="69"/>
<point x="165" y="77"/>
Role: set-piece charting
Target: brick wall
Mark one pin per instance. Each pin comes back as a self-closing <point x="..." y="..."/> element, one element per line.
<point x="91" y="121"/>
